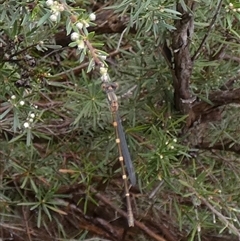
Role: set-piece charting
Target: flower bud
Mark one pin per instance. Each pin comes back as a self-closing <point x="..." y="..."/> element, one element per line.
<point x="53" y="18"/>
<point x="92" y="17"/>
<point x="74" y="36"/>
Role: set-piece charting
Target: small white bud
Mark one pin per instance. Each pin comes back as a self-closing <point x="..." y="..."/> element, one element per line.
<point x="103" y="57"/>
<point x="13" y="97"/>
<point x="49" y="3"/>
<point x="74" y="36"/>
<point x="92" y="17"/>
<point x="31" y="120"/>
<point x="104" y="78"/>
<point x="53" y="18"/>
<point x="21" y="102"/>
<point x="103" y="70"/>
<point x="214" y="218"/>
<point x="61" y="8"/>
<point x="26" y="125"/>
<point x="230" y="5"/>
<point x="79" y="25"/>
<point x="56" y="13"/>
<point x="174" y="140"/>
<point x="32" y="115"/>
<point x="199" y="228"/>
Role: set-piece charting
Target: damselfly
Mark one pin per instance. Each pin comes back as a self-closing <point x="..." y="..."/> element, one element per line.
<point x="124" y="156"/>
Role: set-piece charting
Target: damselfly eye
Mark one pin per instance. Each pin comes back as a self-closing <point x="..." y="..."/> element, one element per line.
<point x="114" y="85"/>
<point x="103" y="87"/>
<point x="23" y="83"/>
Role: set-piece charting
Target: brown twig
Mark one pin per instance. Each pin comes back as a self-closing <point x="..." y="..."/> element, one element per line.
<point x="226" y="145"/>
<point x="124" y="214"/>
<point x="208" y="111"/>
<point x="196" y="54"/>
<point x="233" y="58"/>
<point x="65" y="75"/>
<point x="220" y="216"/>
<point x="230" y="82"/>
<point x="24" y="211"/>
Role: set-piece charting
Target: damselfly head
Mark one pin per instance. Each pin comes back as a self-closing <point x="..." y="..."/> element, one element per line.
<point x="109" y="87"/>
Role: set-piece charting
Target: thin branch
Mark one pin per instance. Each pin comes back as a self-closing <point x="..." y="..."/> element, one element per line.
<point x="217" y="213"/>
<point x="124" y="214"/>
<point x="226" y="145"/>
<point x="23" y="50"/>
<point x="220" y="216"/>
<point x="230" y="82"/>
<point x="65" y="74"/>
<point x="233" y="58"/>
<point x="26" y="223"/>
<point x="196" y="54"/>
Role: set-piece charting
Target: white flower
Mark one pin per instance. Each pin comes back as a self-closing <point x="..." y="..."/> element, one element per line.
<point x="53" y="18"/>
<point x="26" y="125"/>
<point x="32" y="115"/>
<point x="103" y="70"/>
<point x="92" y="17"/>
<point x="56" y="13"/>
<point x="61" y="8"/>
<point x="74" y="36"/>
<point x="13" y="97"/>
<point x="30" y="120"/>
<point x="175" y="140"/>
<point x="22" y="102"/>
<point x="104" y="78"/>
<point x="103" y="57"/>
<point x="79" y="25"/>
<point x="80" y="44"/>
<point x="49" y="3"/>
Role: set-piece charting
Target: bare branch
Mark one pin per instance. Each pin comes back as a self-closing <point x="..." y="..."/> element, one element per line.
<point x="208" y="32"/>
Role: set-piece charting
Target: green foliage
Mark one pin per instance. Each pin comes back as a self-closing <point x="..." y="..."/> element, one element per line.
<point x="57" y="139"/>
